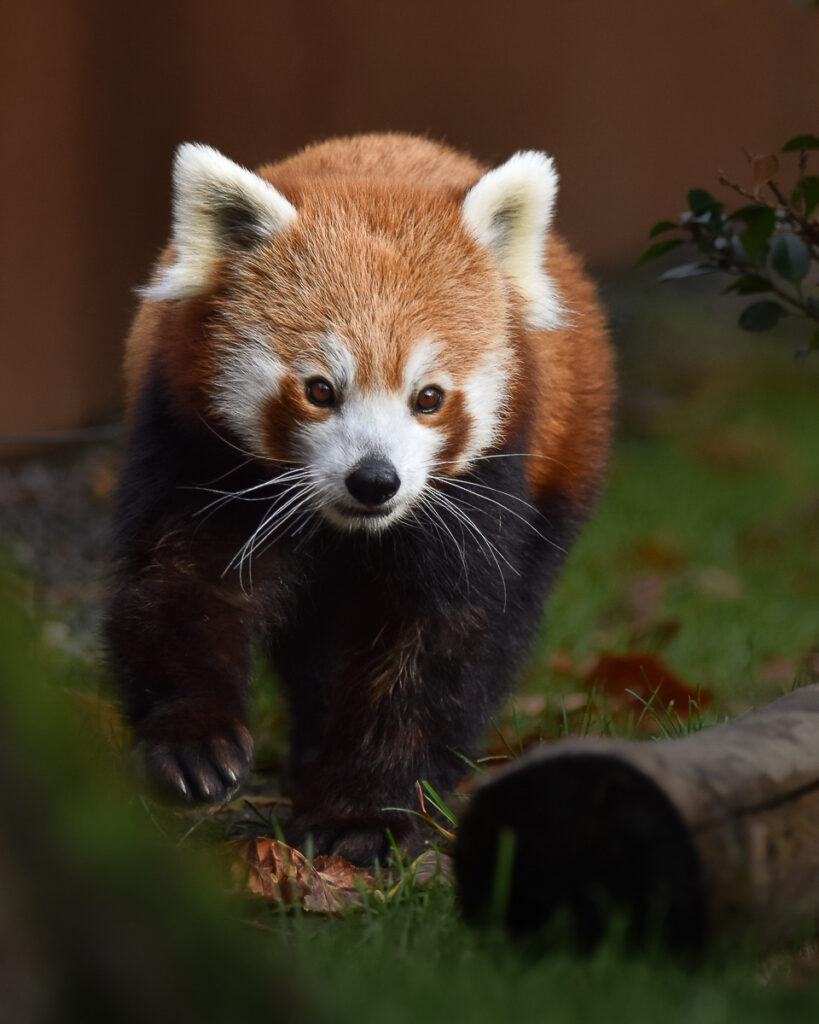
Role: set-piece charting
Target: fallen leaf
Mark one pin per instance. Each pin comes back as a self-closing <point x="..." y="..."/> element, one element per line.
<point x="340" y="872"/>
<point x="658" y="554"/>
<point x="433" y="868"/>
<point x="274" y="871"/>
<point x="640" y="682"/>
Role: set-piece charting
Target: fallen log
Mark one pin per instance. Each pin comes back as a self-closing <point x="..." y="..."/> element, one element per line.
<point x="685" y="840"/>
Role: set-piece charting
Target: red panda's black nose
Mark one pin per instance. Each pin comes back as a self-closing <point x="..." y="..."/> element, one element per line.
<point x="373" y="482"/>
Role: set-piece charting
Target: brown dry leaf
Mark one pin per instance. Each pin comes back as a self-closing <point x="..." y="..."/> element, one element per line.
<point x="433" y="868"/>
<point x="273" y="870"/>
<point x="277" y="872"/>
<point x="658" y="554"/>
<point x="631" y="682"/>
<point x="763" y="168"/>
<point x="339" y="872"/>
<point x="324" y="898"/>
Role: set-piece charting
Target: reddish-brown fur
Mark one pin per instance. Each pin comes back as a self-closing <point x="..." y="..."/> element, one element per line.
<point x="387" y="209"/>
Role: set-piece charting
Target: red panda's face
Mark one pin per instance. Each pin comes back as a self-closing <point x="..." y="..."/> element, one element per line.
<point x="368" y="344"/>
<point x="360" y="334"/>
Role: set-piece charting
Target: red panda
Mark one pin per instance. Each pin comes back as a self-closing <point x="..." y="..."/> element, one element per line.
<point x="370" y="399"/>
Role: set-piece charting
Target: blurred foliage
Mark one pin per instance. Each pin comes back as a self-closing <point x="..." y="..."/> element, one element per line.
<point x="101" y="918"/>
<point x="769" y="245"/>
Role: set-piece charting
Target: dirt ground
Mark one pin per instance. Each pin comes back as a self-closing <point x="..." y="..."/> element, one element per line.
<point x="55" y="524"/>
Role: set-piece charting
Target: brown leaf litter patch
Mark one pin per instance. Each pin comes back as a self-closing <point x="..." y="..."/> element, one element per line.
<point x="273" y="871"/>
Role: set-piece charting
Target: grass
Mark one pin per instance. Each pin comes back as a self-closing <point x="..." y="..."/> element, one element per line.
<point x="712" y="510"/>
<point x="714" y="492"/>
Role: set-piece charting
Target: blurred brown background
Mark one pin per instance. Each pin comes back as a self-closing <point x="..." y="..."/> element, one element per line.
<point x="637" y="100"/>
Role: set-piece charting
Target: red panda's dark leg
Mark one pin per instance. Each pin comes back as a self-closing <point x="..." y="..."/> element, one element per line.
<point x="179" y="629"/>
<point x="418" y="670"/>
<point x="393" y="725"/>
<point x="180" y="648"/>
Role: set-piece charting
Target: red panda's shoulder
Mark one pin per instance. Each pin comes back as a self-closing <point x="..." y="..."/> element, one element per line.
<point x="575" y="373"/>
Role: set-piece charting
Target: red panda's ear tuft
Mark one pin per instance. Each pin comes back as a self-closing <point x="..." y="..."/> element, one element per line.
<point x="510" y="211"/>
<point x="218" y="205"/>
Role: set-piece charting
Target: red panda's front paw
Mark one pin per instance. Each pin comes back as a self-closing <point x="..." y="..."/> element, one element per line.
<point x="195" y="766"/>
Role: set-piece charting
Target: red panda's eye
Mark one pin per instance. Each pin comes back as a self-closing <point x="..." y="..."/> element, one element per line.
<point x="319" y="392"/>
<point x="429" y="399"/>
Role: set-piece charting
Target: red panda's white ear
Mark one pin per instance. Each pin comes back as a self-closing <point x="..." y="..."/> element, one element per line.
<point x="510" y="211"/>
<point x="218" y="205"/>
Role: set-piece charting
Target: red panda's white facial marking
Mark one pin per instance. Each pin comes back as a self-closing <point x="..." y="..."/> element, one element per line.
<point x="248" y="375"/>
<point x="354" y="418"/>
<point x="369" y="426"/>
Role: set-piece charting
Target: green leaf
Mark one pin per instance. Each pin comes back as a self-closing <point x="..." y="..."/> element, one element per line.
<point x="653" y="251"/>
<point x="813" y="344"/>
<point x="790" y="257"/>
<point x="760" y="222"/>
<point x="761" y="316"/>
<point x="661" y="226"/>
<point x="806" y="141"/>
<point x="744" y="212"/>
<point x="687" y="270"/>
<point x="701" y="202"/>
<point x="748" y="284"/>
<point x="808" y="190"/>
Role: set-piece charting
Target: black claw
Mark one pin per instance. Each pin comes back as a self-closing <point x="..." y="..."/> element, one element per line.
<point x="208" y="772"/>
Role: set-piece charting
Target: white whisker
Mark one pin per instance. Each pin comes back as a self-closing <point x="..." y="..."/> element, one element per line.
<point x="503" y="455"/>
<point x="429" y="507"/>
<point x="461" y="485"/>
<point x="282" y="508"/>
<point x="227" y="496"/>
<point x="466" y="482"/>
<point x="449" y="503"/>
